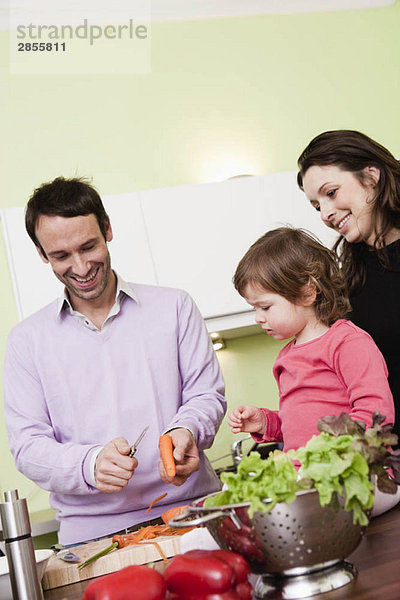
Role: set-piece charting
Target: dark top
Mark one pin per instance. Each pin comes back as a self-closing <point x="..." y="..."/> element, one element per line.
<point x="376" y="308"/>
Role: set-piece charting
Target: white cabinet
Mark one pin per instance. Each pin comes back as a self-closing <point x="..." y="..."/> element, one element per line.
<point x="190" y="237"/>
<point x="130" y="251"/>
<point x="198" y="233"/>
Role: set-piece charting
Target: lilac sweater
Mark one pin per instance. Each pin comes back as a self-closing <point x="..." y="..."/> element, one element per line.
<point x="69" y="390"/>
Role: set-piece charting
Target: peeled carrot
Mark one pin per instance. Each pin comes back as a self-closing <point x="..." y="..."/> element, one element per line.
<point x="171" y="513"/>
<point x="167" y="454"/>
<point x="120" y="540"/>
<point x="156" y="500"/>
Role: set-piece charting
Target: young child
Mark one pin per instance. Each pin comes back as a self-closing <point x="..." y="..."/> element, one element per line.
<point x="330" y="366"/>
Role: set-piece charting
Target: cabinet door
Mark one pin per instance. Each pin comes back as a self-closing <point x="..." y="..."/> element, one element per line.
<point x="289" y="206"/>
<point x="198" y="233"/>
<point x="33" y="282"/>
<point x="129" y="248"/>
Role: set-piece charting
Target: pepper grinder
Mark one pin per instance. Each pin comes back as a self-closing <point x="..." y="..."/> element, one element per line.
<point x="19" y="548"/>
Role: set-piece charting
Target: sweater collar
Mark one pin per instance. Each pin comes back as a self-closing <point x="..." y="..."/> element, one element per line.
<point x="123" y="289"/>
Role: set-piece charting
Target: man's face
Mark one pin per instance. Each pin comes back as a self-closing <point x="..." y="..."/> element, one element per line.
<point x="77" y="253"/>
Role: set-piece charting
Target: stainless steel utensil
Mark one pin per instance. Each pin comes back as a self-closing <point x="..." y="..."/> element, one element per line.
<point x="136" y="444"/>
<point x="65" y="554"/>
<point x="21" y="559"/>
<point x="298" y="548"/>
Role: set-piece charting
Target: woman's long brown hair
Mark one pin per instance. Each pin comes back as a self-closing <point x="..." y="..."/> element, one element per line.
<point x="354" y="151"/>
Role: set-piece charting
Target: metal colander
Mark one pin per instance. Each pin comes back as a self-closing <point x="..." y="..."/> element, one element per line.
<point x="291" y="539"/>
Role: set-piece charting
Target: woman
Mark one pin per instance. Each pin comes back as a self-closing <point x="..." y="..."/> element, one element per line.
<point x="354" y="183"/>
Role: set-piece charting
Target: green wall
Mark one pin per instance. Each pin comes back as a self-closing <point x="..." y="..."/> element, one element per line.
<point x="225" y="96"/>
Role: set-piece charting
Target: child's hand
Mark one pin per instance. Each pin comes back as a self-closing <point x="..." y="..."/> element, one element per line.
<point x="247" y="418"/>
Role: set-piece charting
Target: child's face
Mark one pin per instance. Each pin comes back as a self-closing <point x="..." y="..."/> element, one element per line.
<point x="279" y="317"/>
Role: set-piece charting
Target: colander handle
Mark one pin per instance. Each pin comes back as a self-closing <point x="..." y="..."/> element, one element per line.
<point x="183" y="520"/>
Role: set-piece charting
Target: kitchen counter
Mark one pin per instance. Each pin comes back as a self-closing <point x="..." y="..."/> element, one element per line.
<point x="377" y="560"/>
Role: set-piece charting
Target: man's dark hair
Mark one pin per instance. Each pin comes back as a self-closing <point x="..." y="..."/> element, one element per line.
<point x="64" y="198"/>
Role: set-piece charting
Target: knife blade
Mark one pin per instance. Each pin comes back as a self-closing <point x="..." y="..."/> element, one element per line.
<point x="65" y="554"/>
<point x="136" y="444"/>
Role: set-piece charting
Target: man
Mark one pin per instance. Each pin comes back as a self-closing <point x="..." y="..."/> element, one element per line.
<point x="87" y="373"/>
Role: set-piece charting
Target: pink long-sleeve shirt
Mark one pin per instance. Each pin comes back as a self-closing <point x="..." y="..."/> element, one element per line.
<point x="69" y="390"/>
<point x="340" y="371"/>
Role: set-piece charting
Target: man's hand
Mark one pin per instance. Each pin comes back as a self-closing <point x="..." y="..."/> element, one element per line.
<point x="186" y="456"/>
<point x="114" y="468"/>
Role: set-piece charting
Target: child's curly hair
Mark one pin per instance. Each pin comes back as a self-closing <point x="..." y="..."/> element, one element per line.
<point x="288" y="261"/>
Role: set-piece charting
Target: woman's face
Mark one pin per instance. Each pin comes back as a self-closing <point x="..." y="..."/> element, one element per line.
<point x="343" y="201"/>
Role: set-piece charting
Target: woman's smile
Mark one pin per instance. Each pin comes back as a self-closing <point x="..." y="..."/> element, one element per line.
<point x="344" y="202"/>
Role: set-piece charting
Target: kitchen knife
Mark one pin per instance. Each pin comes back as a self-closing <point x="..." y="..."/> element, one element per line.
<point x="136" y="444"/>
<point x="65" y="553"/>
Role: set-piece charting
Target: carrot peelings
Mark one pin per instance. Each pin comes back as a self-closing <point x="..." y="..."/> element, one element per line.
<point x="156" y="500"/>
<point x="167" y="454"/>
<point x="137" y="537"/>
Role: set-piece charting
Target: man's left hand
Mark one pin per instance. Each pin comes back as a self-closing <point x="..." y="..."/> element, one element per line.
<point x="186" y="456"/>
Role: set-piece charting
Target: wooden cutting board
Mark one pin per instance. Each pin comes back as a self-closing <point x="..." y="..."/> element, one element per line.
<point x="59" y="572"/>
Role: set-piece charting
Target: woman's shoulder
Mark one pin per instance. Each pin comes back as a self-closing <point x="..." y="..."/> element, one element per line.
<point x="393" y="251"/>
<point x="388" y="256"/>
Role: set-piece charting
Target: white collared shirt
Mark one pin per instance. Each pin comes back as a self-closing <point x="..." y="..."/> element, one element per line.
<point x="123" y="290"/>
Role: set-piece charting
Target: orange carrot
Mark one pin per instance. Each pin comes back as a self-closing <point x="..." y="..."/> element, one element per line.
<point x="156" y="500"/>
<point x="120" y="540"/>
<point x="167" y="454"/>
<point x="171" y="513"/>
